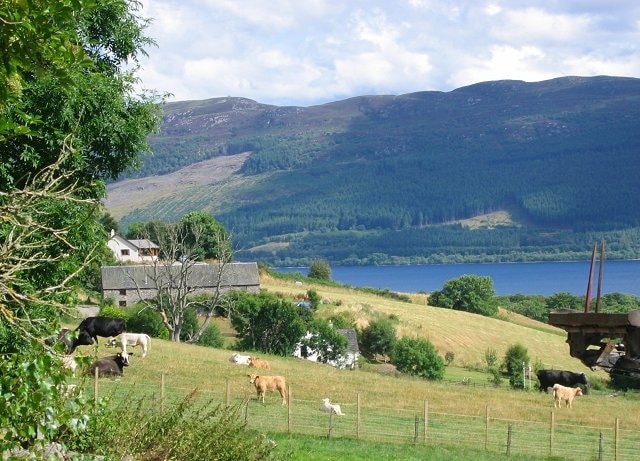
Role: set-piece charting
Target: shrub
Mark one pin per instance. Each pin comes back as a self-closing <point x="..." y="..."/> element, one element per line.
<point x="417" y="357"/>
<point x="449" y="357"/>
<point x="320" y="270"/>
<point x="211" y="336"/>
<point x="490" y="357"/>
<point x="144" y="320"/>
<point x="377" y="338"/>
<point x="189" y="324"/>
<point x="514" y="359"/>
<point x="113" y="311"/>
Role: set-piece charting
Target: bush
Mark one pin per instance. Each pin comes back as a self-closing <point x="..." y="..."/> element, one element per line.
<point x="113" y="311"/>
<point x="417" y="357"/>
<point x="211" y="336"/>
<point x="514" y="359"/>
<point x="189" y="324"/>
<point x="377" y="338"/>
<point x="319" y="270"/>
<point x="490" y="357"/>
<point x="145" y="320"/>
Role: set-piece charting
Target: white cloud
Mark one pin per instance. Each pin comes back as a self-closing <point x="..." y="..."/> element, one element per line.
<point x="315" y="51"/>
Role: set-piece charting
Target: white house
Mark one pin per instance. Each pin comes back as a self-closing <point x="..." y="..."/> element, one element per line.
<point x="136" y="251"/>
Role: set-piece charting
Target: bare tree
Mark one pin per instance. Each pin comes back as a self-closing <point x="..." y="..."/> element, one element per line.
<point x="177" y="278"/>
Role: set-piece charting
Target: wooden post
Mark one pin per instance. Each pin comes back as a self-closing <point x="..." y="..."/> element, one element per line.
<point x="95" y="386"/>
<point x="358" y="416"/>
<point x="509" y="432"/>
<point x="426" y="420"/>
<point x="587" y="300"/>
<point x="617" y="439"/>
<point x="162" y="393"/>
<point x="486" y="427"/>
<point x="228" y="393"/>
<point x="552" y="433"/>
<point x="600" y="278"/>
<point x="289" y="400"/>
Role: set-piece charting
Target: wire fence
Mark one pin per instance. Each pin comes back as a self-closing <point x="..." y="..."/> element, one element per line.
<point x="419" y="425"/>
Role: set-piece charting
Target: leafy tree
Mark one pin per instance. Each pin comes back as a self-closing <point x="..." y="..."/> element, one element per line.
<point x="211" y="337"/>
<point x="202" y="228"/>
<point x="378" y="337"/>
<point x="418" y="357"/>
<point x="326" y="340"/>
<point x="109" y="223"/>
<point x="265" y="322"/>
<point x="470" y="293"/>
<point x="563" y="300"/>
<point x="515" y="359"/>
<point x="319" y="270"/>
<point x="490" y="357"/>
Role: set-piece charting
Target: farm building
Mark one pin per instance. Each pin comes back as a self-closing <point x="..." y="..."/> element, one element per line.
<point x="349" y="360"/>
<point x="129" y="284"/>
<point x="134" y="251"/>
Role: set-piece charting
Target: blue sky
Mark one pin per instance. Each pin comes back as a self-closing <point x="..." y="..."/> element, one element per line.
<point x="307" y="52"/>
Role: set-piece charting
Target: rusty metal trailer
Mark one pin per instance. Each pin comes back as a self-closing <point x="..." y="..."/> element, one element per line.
<point x="603" y="341"/>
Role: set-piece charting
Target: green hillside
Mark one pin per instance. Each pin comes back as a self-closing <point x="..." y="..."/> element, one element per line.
<point x="391" y="179"/>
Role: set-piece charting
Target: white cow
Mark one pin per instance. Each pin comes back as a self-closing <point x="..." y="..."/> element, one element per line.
<point x="331" y="407"/>
<point x="239" y="359"/>
<point x="132" y="339"/>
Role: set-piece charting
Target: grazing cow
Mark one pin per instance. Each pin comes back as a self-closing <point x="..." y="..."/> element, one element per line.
<point x="110" y="366"/>
<point x="259" y="363"/>
<point x="269" y="383"/>
<point x="92" y="327"/>
<point x="567" y="394"/>
<point x="331" y="407"/>
<point x="239" y="359"/>
<point x="547" y="378"/>
<point x="132" y="339"/>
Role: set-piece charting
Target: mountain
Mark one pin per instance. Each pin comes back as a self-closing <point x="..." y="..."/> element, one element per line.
<point x="495" y="171"/>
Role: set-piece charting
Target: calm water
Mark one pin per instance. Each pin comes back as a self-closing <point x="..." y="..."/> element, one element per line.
<point x="508" y="278"/>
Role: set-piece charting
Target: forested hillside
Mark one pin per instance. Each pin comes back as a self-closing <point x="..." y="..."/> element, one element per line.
<point x="383" y="179"/>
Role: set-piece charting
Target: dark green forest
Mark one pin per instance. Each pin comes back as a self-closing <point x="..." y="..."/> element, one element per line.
<point x="384" y="179"/>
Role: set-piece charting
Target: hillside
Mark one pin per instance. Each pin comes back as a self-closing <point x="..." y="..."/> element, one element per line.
<point x="388" y="179"/>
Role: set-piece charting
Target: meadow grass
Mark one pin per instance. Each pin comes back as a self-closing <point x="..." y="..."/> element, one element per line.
<point x="391" y="404"/>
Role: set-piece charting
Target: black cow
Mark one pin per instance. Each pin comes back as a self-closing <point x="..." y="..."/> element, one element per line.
<point x="110" y="366"/>
<point x="547" y="378"/>
<point x="92" y="327"/>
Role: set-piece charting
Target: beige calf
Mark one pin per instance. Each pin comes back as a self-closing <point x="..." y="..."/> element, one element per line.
<point x="567" y="394"/>
<point x="259" y="363"/>
<point x="269" y="383"/>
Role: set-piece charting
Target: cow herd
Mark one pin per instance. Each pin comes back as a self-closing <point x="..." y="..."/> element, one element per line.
<point x="563" y="385"/>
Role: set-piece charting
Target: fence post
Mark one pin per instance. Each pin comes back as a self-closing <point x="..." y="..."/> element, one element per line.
<point x="95" y="387"/>
<point x="228" y="393"/>
<point x="509" y="440"/>
<point x="426" y="420"/>
<point x="552" y="432"/>
<point x="162" y="393"/>
<point x="617" y="439"/>
<point x="600" y="447"/>
<point x="486" y="427"/>
<point x="289" y="402"/>
<point x="416" y="430"/>
<point x="358" y="416"/>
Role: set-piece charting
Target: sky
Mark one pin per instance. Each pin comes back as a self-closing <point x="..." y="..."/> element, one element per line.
<point x="308" y="52"/>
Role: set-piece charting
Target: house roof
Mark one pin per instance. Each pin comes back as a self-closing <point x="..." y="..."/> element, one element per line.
<point x="200" y="275"/>
<point x="352" y="339"/>
<point x="143" y="243"/>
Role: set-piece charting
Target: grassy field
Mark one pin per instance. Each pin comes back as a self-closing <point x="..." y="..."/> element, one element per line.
<point x="386" y="402"/>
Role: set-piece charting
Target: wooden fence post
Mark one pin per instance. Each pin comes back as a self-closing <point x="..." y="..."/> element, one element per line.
<point x="95" y="387"/>
<point x="358" y="416"/>
<point x="552" y="429"/>
<point x="486" y="427"/>
<point x="228" y="393"/>
<point x="426" y="420"/>
<point x="289" y="402"/>
<point x="162" y="392"/>
<point x="617" y="439"/>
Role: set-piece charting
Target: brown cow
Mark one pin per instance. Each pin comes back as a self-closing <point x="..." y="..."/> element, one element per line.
<point x="567" y="394"/>
<point x="259" y="363"/>
<point x="269" y="383"/>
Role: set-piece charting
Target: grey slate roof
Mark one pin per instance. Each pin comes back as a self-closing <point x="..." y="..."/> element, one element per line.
<point x="352" y="339"/>
<point x="200" y="275"/>
<point x="143" y="243"/>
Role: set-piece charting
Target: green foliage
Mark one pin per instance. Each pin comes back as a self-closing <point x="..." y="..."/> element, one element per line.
<point x="265" y="322"/>
<point x="563" y="300"/>
<point x="378" y="338"/>
<point x="449" y="357"/>
<point x="115" y="312"/>
<point x="314" y="298"/>
<point x="515" y="358"/>
<point x="342" y="320"/>
<point x="144" y="320"/>
<point x="490" y="357"/>
<point x="185" y="430"/>
<point x="417" y="357"/>
<point x="189" y="324"/>
<point x="207" y="235"/>
<point x="211" y="336"/>
<point x="533" y="306"/>
<point x="34" y="399"/>
<point x="326" y="340"/>
<point x="470" y="293"/>
<point x="320" y="270"/>
<point x="495" y="377"/>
